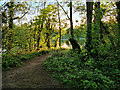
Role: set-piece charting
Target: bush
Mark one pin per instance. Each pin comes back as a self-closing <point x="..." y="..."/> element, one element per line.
<point x="80" y="71"/>
<point x="10" y="61"/>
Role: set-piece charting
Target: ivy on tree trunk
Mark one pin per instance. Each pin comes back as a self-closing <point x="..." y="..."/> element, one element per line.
<point x="89" y="26"/>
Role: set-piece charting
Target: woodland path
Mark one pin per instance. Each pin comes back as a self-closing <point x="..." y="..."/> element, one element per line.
<point x="29" y="75"/>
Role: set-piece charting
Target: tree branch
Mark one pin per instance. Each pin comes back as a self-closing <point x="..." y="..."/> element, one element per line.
<point x="21" y="16"/>
<point x="63" y="10"/>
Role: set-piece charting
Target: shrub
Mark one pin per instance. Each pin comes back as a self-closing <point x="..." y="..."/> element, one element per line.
<point x="10" y="61"/>
<point x="80" y="71"/>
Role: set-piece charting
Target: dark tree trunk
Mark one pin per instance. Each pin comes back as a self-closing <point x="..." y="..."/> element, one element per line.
<point x="48" y="34"/>
<point x="35" y="37"/>
<point x="55" y="43"/>
<point x="96" y="30"/>
<point x="38" y="43"/>
<point x="71" y="23"/>
<point x="30" y="43"/>
<point x="75" y="45"/>
<point x="89" y="26"/>
<point x="48" y="43"/>
<point x="43" y="17"/>
<point x="38" y="40"/>
<point x="101" y="33"/>
<point x="118" y="20"/>
<point x="30" y="48"/>
<point x="0" y="31"/>
<point x="10" y="25"/>
<point x="48" y="40"/>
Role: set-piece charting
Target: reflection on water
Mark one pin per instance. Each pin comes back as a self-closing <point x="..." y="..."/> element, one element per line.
<point x="66" y="46"/>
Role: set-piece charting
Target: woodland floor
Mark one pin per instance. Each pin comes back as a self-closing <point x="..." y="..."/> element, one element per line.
<point x="29" y="75"/>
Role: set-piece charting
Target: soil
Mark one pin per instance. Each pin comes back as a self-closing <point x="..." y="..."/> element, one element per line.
<point x="30" y="75"/>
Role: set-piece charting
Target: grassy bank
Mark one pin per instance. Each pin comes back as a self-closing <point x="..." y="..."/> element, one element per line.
<point x="79" y="71"/>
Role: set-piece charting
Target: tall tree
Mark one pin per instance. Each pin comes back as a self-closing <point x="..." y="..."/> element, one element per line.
<point x="40" y="22"/>
<point x="30" y="42"/>
<point x="48" y="34"/>
<point x="70" y="18"/>
<point x="10" y="8"/>
<point x="97" y="28"/>
<point x="71" y="23"/>
<point x="0" y="30"/>
<point x="10" y="24"/>
<point x="89" y="25"/>
<point x="73" y="42"/>
<point x="118" y="20"/>
<point x="59" y="26"/>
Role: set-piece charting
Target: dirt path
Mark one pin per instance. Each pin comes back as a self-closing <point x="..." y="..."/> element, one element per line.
<point x="29" y="75"/>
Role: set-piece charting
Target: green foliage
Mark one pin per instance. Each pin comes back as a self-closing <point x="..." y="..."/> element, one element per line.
<point x="81" y="71"/>
<point x="73" y="70"/>
<point x="10" y="61"/>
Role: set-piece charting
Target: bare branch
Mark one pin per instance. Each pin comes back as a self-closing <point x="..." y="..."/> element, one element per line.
<point x="63" y="10"/>
<point x="21" y="16"/>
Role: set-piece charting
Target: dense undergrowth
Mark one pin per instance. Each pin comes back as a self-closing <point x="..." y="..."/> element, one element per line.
<point x="10" y="61"/>
<point x="80" y="71"/>
<point x="14" y="60"/>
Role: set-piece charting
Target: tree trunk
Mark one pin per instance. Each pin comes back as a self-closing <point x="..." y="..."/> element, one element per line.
<point x="96" y="29"/>
<point x="101" y="33"/>
<point x="38" y="40"/>
<point x="48" y="43"/>
<point x="71" y="23"/>
<point x="0" y="31"/>
<point x="59" y="28"/>
<point x="118" y="20"/>
<point x="35" y="37"/>
<point x="48" y="40"/>
<point x="40" y="30"/>
<point x="75" y="45"/>
<point x="10" y="40"/>
<point x="48" y="34"/>
<point x="30" y="43"/>
<point x="89" y="26"/>
<point x="55" y="43"/>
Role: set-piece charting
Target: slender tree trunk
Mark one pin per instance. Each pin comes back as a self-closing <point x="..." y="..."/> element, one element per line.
<point x="118" y="20"/>
<point x="55" y="43"/>
<point x="35" y="37"/>
<point x="30" y="43"/>
<point x="43" y="17"/>
<point x="48" y="34"/>
<point x="10" y="26"/>
<point x="59" y="27"/>
<point x="48" y="43"/>
<point x="89" y="26"/>
<point x="0" y="30"/>
<point x="38" y="40"/>
<point x="48" y="40"/>
<point x="71" y="23"/>
<point x="101" y="33"/>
